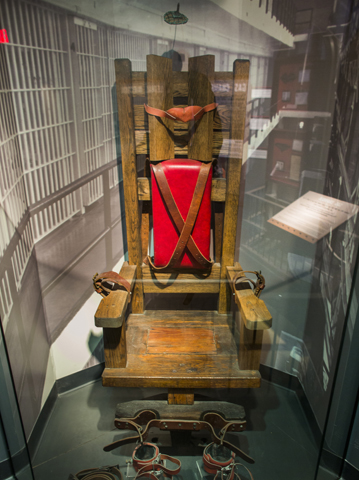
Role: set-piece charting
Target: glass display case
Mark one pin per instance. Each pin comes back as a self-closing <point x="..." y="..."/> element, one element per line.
<point x="129" y="126"/>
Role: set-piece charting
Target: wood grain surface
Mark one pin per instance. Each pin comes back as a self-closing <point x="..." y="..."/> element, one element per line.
<point x="200" y="79"/>
<point x="221" y="84"/>
<point x="184" y="282"/>
<point x="174" y="369"/>
<point x="233" y="174"/>
<point x="129" y="171"/>
<point x="180" y="396"/>
<point x="183" y="340"/>
<point x="160" y="95"/>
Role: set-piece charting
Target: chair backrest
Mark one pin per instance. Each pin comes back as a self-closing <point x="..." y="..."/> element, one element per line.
<point x="162" y="139"/>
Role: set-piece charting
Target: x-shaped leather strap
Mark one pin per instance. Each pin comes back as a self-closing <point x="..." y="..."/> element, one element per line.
<point x="184" y="227"/>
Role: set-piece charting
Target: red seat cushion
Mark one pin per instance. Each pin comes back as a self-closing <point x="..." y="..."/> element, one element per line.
<point x="181" y="175"/>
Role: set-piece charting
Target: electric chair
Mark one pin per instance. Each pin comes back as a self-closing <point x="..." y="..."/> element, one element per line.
<point x="181" y="350"/>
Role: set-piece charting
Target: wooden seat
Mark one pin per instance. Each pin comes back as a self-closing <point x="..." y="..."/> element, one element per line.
<point x="182" y="349"/>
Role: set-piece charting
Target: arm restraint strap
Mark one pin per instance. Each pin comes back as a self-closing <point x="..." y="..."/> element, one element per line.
<point x="258" y="285"/>
<point x="99" y="282"/>
<point x="158" y="465"/>
<point x="184" y="227"/>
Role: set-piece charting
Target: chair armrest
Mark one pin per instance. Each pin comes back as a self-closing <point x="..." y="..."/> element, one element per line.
<point x="112" y="309"/>
<point x="253" y="310"/>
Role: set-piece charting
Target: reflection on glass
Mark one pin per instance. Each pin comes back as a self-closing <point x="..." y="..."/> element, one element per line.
<point x="61" y="190"/>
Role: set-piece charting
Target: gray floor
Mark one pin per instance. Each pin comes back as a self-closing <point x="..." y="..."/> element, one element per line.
<point x="278" y="436"/>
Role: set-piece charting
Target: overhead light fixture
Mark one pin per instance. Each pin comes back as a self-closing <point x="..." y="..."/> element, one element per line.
<point x="175" y="17"/>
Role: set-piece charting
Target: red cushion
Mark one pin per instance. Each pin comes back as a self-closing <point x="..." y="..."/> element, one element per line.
<point x="182" y="177"/>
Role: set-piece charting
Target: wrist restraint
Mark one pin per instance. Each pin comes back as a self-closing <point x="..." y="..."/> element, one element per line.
<point x="147" y="461"/>
<point x="107" y="282"/>
<point x="102" y="473"/>
<point x="220" y="461"/>
<point x="258" y="285"/>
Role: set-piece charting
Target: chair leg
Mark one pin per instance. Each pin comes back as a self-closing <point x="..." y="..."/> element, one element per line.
<point x="114" y="340"/>
<point x="180" y="396"/>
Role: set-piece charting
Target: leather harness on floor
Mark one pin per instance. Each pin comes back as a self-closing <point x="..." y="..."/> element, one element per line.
<point x="179" y="424"/>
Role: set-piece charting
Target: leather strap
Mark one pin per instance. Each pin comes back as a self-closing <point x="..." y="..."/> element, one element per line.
<point x="156" y="463"/>
<point x="99" y="282"/>
<point x="182" y="114"/>
<point x="185" y="424"/>
<point x="184" y="227"/>
<point x="258" y="285"/>
<point x="213" y="466"/>
<point x="102" y="473"/>
<point x="224" y="474"/>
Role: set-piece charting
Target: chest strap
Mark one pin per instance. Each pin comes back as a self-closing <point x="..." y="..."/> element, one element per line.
<point x="184" y="227"/>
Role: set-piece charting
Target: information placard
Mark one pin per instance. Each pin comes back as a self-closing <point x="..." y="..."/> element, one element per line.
<point x="313" y="216"/>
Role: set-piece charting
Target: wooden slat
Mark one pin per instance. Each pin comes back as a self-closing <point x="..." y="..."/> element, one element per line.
<point x="174" y="282"/>
<point x="200" y="79"/>
<point x="160" y="95"/>
<point x="250" y="348"/>
<point x="128" y="150"/>
<point x="142" y="142"/>
<point x="112" y="309"/>
<point x="218" y="193"/>
<point x="229" y="411"/>
<point x="131" y="377"/>
<point x="114" y="343"/>
<point x="222" y="84"/>
<point x="252" y="309"/>
<point x="182" y="340"/>
<point x="218" y="209"/>
<point x="239" y="103"/>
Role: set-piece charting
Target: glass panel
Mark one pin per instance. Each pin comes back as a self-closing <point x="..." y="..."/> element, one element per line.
<point x="12" y="438"/>
<point x="284" y="150"/>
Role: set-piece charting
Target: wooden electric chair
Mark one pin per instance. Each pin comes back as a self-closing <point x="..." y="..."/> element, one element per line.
<point x="181" y="350"/>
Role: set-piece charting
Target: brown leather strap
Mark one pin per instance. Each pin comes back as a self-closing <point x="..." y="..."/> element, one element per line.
<point x="185" y="425"/>
<point x="105" y="473"/>
<point x="213" y="466"/>
<point x="99" y="282"/>
<point x="258" y="285"/>
<point x="185" y="228"/>
<point x="156" y="463"/>
<point x="175" y="113"/>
